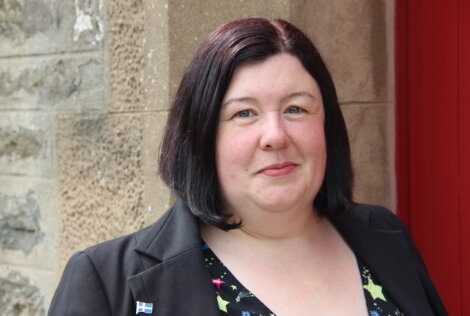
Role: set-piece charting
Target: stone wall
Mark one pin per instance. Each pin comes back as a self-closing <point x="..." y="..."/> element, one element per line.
<point x="51" y="63"/>
<point x="85" y="87"/>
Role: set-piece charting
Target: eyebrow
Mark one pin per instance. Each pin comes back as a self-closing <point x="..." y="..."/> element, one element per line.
<point x="253" y="100"/>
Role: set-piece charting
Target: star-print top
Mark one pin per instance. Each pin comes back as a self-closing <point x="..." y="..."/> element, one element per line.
<point x="234" y="299"/>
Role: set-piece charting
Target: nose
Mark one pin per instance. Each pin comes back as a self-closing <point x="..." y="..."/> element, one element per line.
<point x="274" y="135"/>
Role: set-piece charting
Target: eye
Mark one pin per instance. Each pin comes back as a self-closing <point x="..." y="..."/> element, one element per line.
<point x="295" y="110"/>
<point x="244" y="113"/>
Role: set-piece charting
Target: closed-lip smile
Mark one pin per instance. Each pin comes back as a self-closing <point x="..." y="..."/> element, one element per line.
<point x="278" y="169"/>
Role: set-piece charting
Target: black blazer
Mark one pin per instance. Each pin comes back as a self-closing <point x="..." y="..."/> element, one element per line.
<point x="163" y="264"/>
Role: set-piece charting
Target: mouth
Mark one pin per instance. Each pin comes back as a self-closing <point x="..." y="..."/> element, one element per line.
<point x="278" y="169"/>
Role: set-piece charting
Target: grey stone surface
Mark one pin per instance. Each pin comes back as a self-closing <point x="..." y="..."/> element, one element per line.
<point x="30" y="205"/>
<point x="367" y="127"/>
<point x="65" y="84"/>
<point x="50" y="26"/>
<point x="21" y="143"/>
<point x="26" y="144"/>
<point x="19" y="222"/>
<point x="19" y="297"/>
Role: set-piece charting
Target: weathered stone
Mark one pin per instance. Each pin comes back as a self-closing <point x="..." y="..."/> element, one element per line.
<point x="63" y="85"/>
<point x="367" y="127"/>
<point x="19" y="222"/>
<point x="47" y="26"/>
<point x="352" y="38"/>
<point x="125" y="50"/>
<point x="32" y="200"/>
<point x="100" y="173"/>
<point x="25" y="144"/>
<point x="19" y="297"/>
<point x="21" y="143"/>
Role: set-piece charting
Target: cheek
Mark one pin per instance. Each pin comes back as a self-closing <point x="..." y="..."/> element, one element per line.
<point x="311" y="136"/>
<point x="234" y="147"/>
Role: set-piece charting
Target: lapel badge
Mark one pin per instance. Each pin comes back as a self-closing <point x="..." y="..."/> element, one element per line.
<point x="145" y="308"/>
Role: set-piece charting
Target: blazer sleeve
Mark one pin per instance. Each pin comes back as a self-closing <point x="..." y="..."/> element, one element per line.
<point x="80" y="291"/>
<point x="431" y="291"/>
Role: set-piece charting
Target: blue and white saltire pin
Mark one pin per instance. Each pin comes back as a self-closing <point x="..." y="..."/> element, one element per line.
<point x="145" y="308"/>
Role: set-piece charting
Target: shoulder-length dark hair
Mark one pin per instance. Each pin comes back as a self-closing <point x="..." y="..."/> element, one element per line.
<point x="187" y="158"/>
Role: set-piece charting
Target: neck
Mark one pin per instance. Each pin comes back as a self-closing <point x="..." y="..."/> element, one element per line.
<point x="270" y="228"/>
<point x="277" y="226"/>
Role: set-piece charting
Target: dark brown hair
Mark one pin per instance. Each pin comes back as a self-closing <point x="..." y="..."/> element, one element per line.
<point x="187" y="159"/>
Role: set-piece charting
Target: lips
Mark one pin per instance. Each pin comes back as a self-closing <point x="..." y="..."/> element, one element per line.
<point x="278" y="169"/>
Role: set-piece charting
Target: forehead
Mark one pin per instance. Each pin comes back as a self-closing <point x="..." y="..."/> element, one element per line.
<point x="276" y="76"/>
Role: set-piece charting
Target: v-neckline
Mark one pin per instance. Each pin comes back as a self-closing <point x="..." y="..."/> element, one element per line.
<point x="230" y="291"/>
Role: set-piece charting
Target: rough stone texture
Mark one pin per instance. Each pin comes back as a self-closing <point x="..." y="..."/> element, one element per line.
<point x="367" y="127"/>
<point x="191" y="21"/>
<point x="50" y="26"/>
<point x="25" y="196"/>
<point x="22" y="143"/>
<point x="19" y="297"/>
<point x="19" y="222"/>
<point x="101" y="180"/>
<point x="53" y="85"/>
<point x="25" y="144"/>
<point x="126" y="55"/>
<point x="351" y="36"/>
<point x="51" y="61"/>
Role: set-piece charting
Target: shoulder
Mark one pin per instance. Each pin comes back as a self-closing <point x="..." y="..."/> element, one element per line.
<point x="95" y="280"/>
<point x="121" y="251"/>
<point x="375" y="217"/>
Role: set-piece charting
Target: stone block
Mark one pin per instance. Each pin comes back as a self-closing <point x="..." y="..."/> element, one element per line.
<point x="126" y="54"/>
<point x="66" y="84"/>
<point x="367" y="128"/>
<point x="138" y="56"/>
<point x="26" y="144"/>
<point x="191" y="21"/>
<point x="156" y="72"/>
<point x="101" y="177"/>
<point x="351" y="36"/>
<point x="50" y="26"/>
<point x="20" y="296"/>
<point x="19" y="222"/>
<point x="157" y="196"/>
<point x="28" y="221"/>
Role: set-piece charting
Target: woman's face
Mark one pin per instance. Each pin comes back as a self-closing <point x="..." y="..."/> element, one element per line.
<point x="270" y="143"/>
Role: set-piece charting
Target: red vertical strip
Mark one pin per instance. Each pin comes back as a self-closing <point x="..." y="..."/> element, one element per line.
<point x="401" y="126"/>
<point x="433" y="143"/>
<point x="464" y="125"/>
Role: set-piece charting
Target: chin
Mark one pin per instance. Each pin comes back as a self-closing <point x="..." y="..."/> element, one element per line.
<point x="280" y="205"/>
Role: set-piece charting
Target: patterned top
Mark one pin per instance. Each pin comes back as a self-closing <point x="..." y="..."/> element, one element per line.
<point x="234" y="299"/>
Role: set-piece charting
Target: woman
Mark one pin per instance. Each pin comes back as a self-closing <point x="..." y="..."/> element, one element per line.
<point x="257" y="153"/>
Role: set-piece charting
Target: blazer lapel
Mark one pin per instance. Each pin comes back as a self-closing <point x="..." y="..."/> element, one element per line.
<point x="175" y="278"/>
<point x="387" y="253"/>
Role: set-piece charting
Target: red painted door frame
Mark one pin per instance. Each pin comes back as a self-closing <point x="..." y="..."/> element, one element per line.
<point x="433" y="139"/>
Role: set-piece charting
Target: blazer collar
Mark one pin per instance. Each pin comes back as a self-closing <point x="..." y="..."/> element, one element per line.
<point x="175" y="232"/>
<point x="175" y="278"/>
<point x="386" y="252"/>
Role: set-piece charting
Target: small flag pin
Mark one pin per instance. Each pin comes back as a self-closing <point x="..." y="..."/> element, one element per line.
<point x="146" y="308"/>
